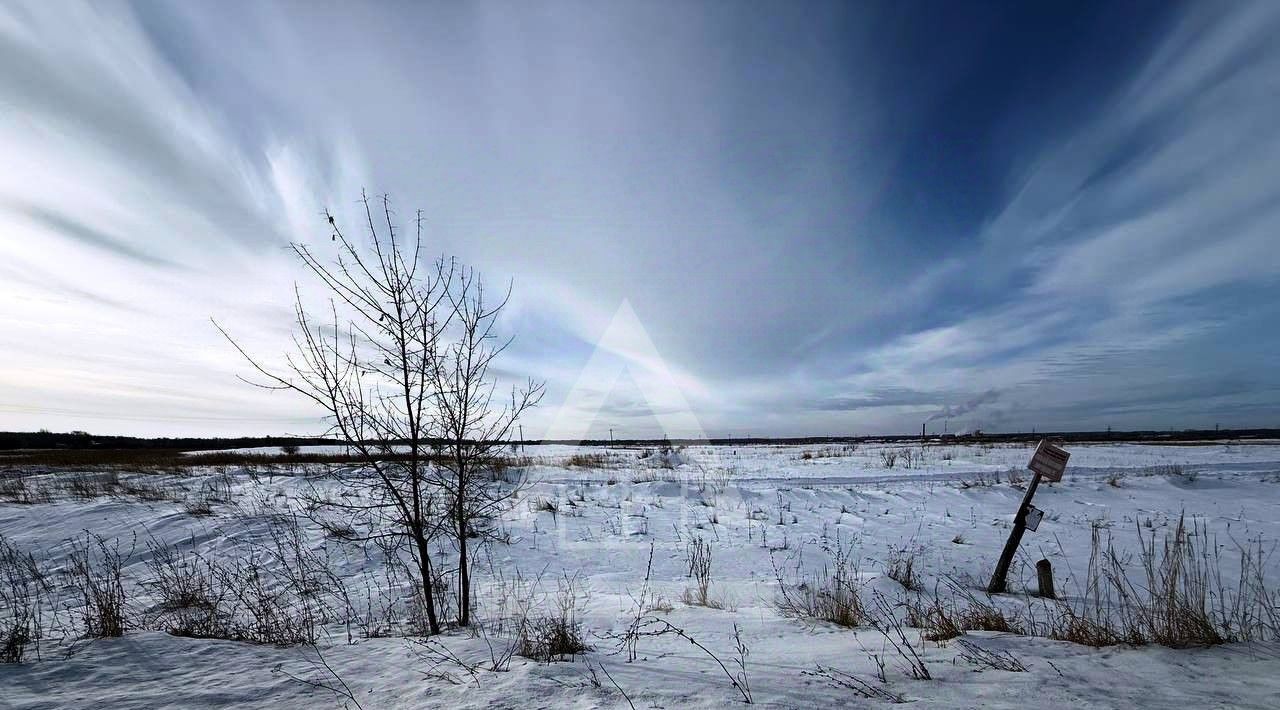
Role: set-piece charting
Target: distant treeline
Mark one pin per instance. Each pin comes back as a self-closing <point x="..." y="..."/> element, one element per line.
<point x="78" y="440"/>
<point x="10" y="440"/>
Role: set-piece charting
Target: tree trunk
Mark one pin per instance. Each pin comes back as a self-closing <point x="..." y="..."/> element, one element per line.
<point x="464" y="572"/>
<point x="424" y="568"/>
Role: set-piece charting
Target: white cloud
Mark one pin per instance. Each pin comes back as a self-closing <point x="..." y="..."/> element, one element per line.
<point x="160" y="158"/>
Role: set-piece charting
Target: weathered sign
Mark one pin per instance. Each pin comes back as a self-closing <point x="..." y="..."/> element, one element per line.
<point x="1034" y="516"/>
<point x="1049" y="461"/>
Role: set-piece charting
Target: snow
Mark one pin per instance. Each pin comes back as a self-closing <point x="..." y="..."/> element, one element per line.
<point x="758" y="506"/>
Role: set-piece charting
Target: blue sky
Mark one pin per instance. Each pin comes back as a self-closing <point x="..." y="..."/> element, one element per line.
<point x="845" y="218"/>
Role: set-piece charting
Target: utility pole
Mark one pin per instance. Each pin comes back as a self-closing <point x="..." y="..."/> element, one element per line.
<point x="611" y="437"/>
<point x="521" y="436"/>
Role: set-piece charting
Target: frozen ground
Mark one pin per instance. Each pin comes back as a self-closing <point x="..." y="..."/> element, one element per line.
<point x="593" y="523"/>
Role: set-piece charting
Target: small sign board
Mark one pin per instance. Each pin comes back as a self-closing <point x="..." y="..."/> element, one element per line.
<point x="1049" y="461"/>
<point x="1034" y="516"/>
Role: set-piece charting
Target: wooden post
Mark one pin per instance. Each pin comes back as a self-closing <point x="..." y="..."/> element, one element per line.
<point x="1044" y="577"/>
<point x="997" y="585"/>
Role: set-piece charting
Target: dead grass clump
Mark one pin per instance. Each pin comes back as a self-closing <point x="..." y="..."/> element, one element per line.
<point x="96" y="482"/>
<point x="556" y="636"/>
<point x="936" y="622"/>
<point x="1078" y="629"/>
<point x="546" y="505"/>
<point x="95" y="575"/>
<point x="23" y="591"/>
<point x="939" y="621"/>
<point x="1181" y="598"/>
<point x="1174" y="471"/>
<point x="279" y="592"/>
<point x="14" y="637"/>
<point x="151" y="488"/>
<point x="978" y="481"/>
<point x="596" y="460"/>
<point x="1183" y="606"/>
<point x="829" y="452"/>
<point x="198" y="508"/>
<point x="832" y="594"/>
<point x="90" y="485"/>
<point x="17" y="487"/>
<point x="982" y="616"/>
<point x="698" y="557"/>
<point x="901" y="567"/>
<point x="192" y="597"/>
<point x="552" y="638"/>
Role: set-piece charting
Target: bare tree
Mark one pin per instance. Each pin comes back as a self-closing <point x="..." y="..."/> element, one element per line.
<point x="474" y="422"/>
<point x="394" y="387"/>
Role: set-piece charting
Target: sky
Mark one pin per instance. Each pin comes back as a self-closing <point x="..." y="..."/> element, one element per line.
<point x="718" y="218"/>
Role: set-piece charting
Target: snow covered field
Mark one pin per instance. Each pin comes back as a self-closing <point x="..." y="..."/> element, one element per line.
<point x="608" y="534"/>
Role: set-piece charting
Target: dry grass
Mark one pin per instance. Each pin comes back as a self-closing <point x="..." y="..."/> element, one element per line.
<point x="95" y="574"/>
<point x="936" y="622"/>
<point x="698" y="558"/>
<point x="193" y="601"/>
<point x="596" y="460"/>
<point x="557" y="635"/>
<point x="1078" y="629"/>
<point x="1181" y="598"/>
<point x="985" y="616"/>
<point x="544" y="505"/>
<point x="23" y="600"/>
<point x="901" y="567"/>
<point x="985" y="658"/>
<point x="198" y="508"/>
<point x="829" y="452"/>
<point x="940" y="620"/>
<point x="832" y="594"/>
<point x="18" y="487"/>
<point x="276" y="591"/>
